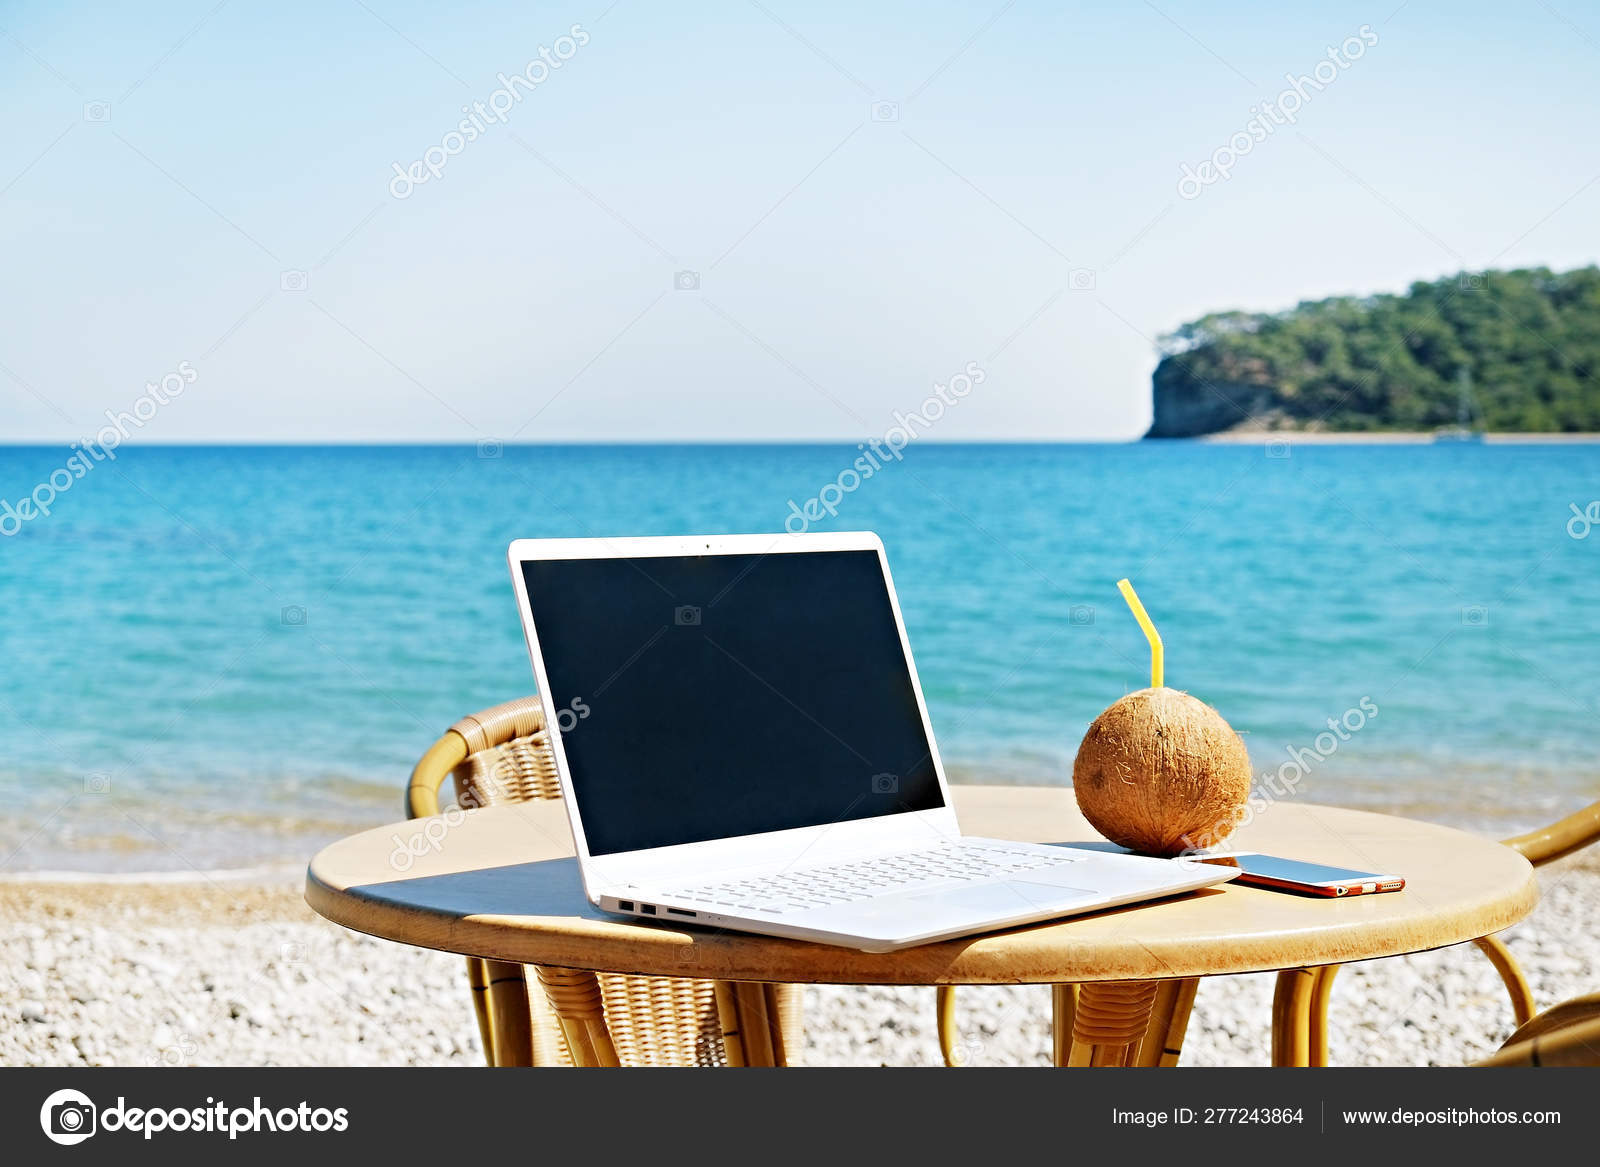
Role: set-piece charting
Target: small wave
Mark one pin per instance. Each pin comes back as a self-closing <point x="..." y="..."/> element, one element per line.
<point x="267" y="873"/>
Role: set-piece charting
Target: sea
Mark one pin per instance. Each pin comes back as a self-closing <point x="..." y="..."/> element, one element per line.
<point x="226" y="657"/>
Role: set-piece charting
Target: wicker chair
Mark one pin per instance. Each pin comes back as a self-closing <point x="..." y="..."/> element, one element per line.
<point x="602" y="1019"/>
<point x="1539" y="847"/>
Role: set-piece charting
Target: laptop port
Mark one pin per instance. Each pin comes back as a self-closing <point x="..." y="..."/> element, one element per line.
<point x="625" y="905"/>
<point x="648" y="909"/>
<point x="681" y="912"/>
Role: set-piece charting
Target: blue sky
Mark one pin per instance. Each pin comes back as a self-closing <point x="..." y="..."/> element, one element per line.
<point x="171" y="168"/>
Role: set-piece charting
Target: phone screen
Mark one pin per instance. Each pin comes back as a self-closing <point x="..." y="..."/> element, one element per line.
<point x="1294" y="871"/>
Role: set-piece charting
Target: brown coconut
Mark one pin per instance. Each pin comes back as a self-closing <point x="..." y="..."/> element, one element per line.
<point x="1161" y="772"/>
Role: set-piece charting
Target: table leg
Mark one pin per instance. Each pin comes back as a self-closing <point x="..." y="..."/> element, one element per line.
<point x="574" y="996"/>
<point x="1159" y="1044"/>
<point x="1169" y="1021"/>
<point x="944" y="1005"/>
<point x="509" y="1022"/>
<point x="1110" y="1017"/>
<point x="1510" y="975"/>
<point x="478" y="982"/>
<point x="1317" y="1019"/>
<point x="1063" y="1008"/>
<point x="1291" y="1017"/>
<point x="751" y="1015"/>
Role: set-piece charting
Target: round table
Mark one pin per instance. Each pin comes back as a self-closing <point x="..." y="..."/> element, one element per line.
<point x="501" y="883"/>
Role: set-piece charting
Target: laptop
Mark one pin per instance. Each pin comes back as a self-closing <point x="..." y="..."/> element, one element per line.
<point x="742" y="743"/>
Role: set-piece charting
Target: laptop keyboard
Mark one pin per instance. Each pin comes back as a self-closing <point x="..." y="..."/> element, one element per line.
<point x="819" y="887"/>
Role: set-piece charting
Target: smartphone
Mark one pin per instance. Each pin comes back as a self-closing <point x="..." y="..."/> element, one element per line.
<point x="1312" y="879"/>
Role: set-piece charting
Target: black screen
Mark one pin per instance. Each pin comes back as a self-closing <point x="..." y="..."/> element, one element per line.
<point x="707" y="697"/>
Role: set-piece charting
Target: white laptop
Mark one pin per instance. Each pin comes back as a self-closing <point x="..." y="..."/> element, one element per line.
<point x="742" y="743"/>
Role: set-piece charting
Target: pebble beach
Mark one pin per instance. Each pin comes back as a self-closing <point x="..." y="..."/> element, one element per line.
<point x="230" y="971"/>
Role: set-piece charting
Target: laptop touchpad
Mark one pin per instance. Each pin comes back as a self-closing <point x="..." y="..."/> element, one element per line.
<point x="1005" y="896"/>
<point x="1066" y="875"/>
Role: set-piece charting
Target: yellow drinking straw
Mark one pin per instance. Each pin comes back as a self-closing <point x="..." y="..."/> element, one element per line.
<point x="1150" y="633"/>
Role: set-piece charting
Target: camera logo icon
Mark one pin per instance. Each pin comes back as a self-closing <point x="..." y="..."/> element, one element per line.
<point x="294" y="280"/>
<point x="294" y="616"/>
<point x="886" y="111"/>
<point x="96" y="783"/>
<point x="1277" y="448"/>
<point x="686" y="616"/>
<point x="1473" y="281"/>
<point x="68" y="1117"/>
<point x="491" y="448"/>
<point x="1080" y="615"/>
<point x="686" y="281"/>
<point x="1476" y="616"/>
<point x="97" y="111"/>
<point x="886" y="784"/>
<point x="1081" y="279"/>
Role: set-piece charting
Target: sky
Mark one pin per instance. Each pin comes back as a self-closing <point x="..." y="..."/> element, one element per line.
<point x="746" y="220"/>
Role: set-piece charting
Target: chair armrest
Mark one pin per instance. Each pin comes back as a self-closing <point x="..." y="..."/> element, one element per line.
<point x="422" y="795"/>
<point x="1569" y="1045"/>
<point x="1572" y="833"/>
<point x="1562" y="1016"/>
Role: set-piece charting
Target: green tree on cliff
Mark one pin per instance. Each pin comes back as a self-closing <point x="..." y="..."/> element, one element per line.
<point x="1528" y="340"/>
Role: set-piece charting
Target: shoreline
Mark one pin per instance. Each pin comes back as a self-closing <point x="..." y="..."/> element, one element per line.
<point x="263" y="875"/>
<point x="1381" y="438"/>
<point x="1493" y="816"/>
<point x="158" y="885"/>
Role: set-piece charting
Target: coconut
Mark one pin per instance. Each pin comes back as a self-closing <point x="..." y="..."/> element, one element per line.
<point x="1162" y="773"/>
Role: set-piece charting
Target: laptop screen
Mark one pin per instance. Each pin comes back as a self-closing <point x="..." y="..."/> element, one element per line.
<point x="709" y="697"/>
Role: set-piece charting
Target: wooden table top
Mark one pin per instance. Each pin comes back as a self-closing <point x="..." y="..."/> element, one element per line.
<point x="501" y="883"/>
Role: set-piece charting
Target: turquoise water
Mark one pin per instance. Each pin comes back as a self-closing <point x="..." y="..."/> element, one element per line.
<point x="165" y="704"/>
